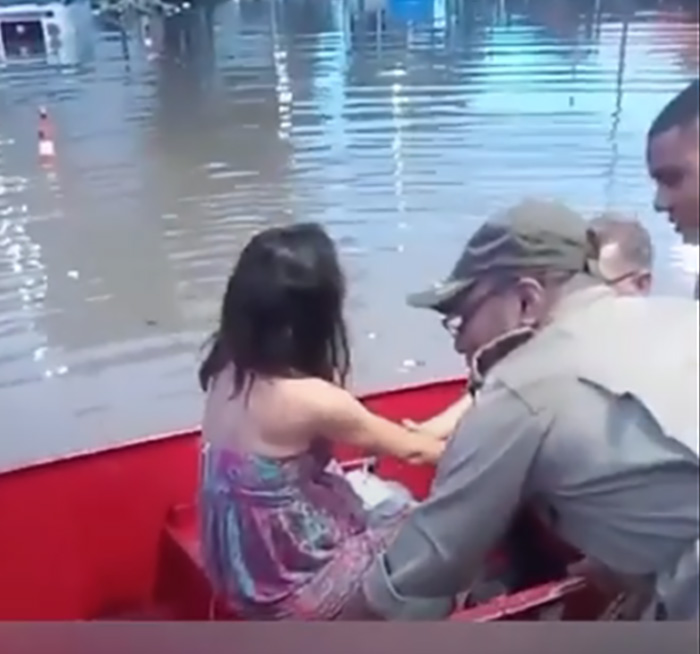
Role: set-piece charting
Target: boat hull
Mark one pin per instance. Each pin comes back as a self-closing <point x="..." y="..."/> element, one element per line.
<point x="113" y="534"/>
<point x="81" y="537"/>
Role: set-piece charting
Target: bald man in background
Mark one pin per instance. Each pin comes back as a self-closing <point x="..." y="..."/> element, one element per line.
<point x="626" y="254"/>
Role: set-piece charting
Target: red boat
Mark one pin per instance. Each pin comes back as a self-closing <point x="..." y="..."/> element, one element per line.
<point x="112" y="534"/>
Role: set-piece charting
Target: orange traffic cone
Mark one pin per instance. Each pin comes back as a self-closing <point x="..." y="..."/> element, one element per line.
<point x="47" y="147"/>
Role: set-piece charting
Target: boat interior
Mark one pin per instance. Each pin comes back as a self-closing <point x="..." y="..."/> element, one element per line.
<point x="113" y="535"/>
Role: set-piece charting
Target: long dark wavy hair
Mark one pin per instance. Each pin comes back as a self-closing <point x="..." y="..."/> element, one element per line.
<point x="282" y="313"/>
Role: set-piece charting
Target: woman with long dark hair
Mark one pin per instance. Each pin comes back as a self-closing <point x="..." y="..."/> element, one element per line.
<point x="284" y="536"/>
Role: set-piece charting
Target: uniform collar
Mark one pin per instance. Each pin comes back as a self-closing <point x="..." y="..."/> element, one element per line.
<point x="578" y="293"/>
<point x="494" y="351"/>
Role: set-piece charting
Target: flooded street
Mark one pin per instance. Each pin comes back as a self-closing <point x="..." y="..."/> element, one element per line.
<point x="398" y="124"/>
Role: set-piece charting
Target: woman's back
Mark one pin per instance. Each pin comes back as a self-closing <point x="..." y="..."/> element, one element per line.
<point x="267" y="417"/>
<point x="284" y="536"/>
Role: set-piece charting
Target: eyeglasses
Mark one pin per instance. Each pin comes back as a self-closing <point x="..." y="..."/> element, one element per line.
<point x="455" y="322"/>
<point x="632" y="274"/>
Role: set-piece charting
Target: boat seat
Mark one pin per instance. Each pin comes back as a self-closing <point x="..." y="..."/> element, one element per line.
<point x="181" y="581"/>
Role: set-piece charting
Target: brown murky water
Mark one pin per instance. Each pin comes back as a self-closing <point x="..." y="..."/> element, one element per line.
<point x="397" y="123"/>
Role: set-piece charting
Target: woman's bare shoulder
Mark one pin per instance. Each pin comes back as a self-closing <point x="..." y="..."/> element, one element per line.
<point x="285" y="409"/>
<point x="320" y="407"/>
<point x="313" y="403"/>
<point x="313" y="394"/>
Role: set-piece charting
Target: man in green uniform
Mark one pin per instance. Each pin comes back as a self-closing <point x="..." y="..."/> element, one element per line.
<point x="587" y="405"/>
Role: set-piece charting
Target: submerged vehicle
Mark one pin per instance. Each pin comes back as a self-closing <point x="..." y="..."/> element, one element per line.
<point x="54" y="32"/>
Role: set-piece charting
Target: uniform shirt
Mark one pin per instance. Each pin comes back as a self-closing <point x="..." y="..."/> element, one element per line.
<point x="625" y="493"/>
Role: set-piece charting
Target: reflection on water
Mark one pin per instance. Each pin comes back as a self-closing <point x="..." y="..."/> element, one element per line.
<point x="399" y="124"/>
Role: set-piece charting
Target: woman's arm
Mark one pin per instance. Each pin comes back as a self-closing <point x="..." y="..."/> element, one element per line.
<point x="443" y="424"/>
<point x="341" y="417"/>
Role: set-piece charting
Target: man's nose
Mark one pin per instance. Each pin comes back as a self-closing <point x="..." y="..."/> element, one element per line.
<point x="459" y="345"/>
<point x="661" y="203"/>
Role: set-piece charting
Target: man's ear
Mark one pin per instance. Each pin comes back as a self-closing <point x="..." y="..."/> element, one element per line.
<point x="532" y="297"/>
<point x="644" y="282"/>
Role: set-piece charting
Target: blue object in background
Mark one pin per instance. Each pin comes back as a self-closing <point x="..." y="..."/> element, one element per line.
<point x="411" y="11"/>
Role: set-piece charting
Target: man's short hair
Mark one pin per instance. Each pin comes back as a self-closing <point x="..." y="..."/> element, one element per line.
<point x="631" y="237"/>
<point x="682" y="111"/>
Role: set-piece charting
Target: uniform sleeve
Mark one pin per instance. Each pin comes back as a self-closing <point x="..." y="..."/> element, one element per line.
<point x="477" y="488"/>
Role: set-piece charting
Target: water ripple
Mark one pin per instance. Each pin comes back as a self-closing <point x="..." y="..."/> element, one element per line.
<point x="399" y="126"/>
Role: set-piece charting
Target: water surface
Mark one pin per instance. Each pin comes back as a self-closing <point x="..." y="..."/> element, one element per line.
<point x="398" y="124"/>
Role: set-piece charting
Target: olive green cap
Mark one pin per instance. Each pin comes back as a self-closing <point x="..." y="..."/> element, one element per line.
<point x="532" y="235"/>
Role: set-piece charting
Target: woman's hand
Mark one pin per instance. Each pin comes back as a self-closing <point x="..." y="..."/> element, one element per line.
<point x="431" y="427"/>
<point x="444" y="424"/>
